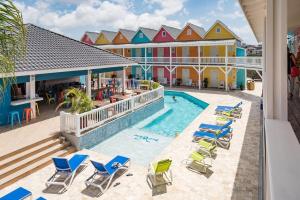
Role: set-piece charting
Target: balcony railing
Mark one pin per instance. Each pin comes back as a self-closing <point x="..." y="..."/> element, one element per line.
<point x="247" y="62"/>
<point x="78" y="123"/>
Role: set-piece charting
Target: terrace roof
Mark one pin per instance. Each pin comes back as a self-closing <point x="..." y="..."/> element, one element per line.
<point x="49" y="52"/>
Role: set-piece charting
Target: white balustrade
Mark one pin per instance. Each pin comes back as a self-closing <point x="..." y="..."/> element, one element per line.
<point x="255" y="62"/>
<point x="77" y="123"/>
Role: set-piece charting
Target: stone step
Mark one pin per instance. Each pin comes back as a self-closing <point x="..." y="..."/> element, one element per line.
<point x="14" y="159"/>
<point x="26" y="148"/>
<point x="34" y="166"/>
<point x="32" y="158"/>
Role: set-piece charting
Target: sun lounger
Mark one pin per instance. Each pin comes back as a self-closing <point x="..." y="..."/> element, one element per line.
<point x="19" y="194"/>
<point x="107" y="172"/>
<point x="207" y="147"/>
<point x="196" y="162"/>
<point x="159" y="173"/>
<point x="66" y="170"/>
<point x="214" y="128"/>
<point x="222" y="138"/>
<point x="235" y="108"/>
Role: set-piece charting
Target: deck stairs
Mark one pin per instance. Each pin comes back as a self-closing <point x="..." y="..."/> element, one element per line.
<point x="29" y="159"/>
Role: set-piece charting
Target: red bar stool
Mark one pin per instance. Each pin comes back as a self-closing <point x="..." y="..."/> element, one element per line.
<point x="28" y="113"/>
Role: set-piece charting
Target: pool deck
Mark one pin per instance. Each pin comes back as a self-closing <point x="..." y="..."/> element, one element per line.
<point x="234" y="172"/>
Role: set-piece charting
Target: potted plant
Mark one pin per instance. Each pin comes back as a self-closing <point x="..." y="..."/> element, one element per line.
<point x="178" y="81"/>
<point x="80" y="102"/>
<point x="205" y="82"/>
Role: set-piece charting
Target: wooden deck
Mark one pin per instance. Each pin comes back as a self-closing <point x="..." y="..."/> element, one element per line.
<point x="294" y="114"/>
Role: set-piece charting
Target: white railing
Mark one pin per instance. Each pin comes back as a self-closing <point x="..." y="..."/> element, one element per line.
<point x="78" y="123"/>
<point x="255" y="62"/>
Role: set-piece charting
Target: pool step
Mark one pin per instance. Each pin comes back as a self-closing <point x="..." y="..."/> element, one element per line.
<point x="32" y="158"/>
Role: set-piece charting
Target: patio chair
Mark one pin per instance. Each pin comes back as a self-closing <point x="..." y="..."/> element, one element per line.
<point x="222" y="138"/>
<point x="19" y="194"/>
<point x="107" y="172"/>
<point x="230" y="115"/>
<point x="213" y="127"/>
<point x="207" y="147"/>
<point x="235" y="108"/>
<point x="66" y="170"/>
<point x="50" y="99"/>
<point x="197" y="163"/>
<point x="159" y="173"/>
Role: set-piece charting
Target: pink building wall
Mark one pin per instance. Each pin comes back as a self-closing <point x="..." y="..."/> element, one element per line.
<point x="159" y="38"/>
<point x="86" y="39"/>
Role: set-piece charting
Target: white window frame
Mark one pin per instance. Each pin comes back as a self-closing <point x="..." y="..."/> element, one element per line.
<point x="218" y="30"/>
<point x="141" y="35"/>
<point x="164" y="34"/>
<point x="189" y="31"/>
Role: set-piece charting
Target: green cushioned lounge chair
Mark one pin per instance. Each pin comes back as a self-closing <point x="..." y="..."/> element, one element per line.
<point x="159" y="173"/>
<point x="207" y="147"/>
<point x="197" y="162"/>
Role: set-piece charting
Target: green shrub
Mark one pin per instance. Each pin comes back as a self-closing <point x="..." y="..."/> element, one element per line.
<point x="155" y="85"/>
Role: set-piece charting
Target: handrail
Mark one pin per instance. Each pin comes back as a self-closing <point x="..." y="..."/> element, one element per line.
<point x="78" y="123"/>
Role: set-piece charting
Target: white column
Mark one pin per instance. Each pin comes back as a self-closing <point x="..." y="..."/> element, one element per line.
<point x="32" y="94"/>
<point x="245" y="84"/>
<point x="123" y="52"/>
<point x="275" y="72"/>
<point x="145" y="63"/>
<point x="226" y="68"/>
<point x="199" y="68"/>
<point x="88" y="83"/>
<point x="124" y="79"/>
<point x="99" y="80"/>
<point x="170" y="48"/>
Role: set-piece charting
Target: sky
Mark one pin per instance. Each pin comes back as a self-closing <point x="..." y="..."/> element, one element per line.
<point x="73" y="17"/>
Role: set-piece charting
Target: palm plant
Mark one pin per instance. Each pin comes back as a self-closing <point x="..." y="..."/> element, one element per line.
<point x="80" y="102"/>
<point x="12" y="42"/>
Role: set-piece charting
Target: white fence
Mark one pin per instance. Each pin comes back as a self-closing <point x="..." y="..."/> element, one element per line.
<point x="77" y="123"/>
<point x="249" y="62"/>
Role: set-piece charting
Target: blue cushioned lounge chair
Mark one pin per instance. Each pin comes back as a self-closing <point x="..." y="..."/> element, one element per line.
<point x="222" y="138"/>
<point x="19" y="194"/>
<point x="213" y="127"/>
<point x="106" y="172"/>
<point x="236" y="108"/>
<point x="66" y="170"/>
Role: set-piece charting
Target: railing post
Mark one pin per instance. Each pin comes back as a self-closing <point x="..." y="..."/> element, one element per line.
<point x="226" y="67"/>
<point x="170" y="71"/>
<point x="77" y="119"/>
<point x="199" y="68"/>
<point x="62" y="121"/>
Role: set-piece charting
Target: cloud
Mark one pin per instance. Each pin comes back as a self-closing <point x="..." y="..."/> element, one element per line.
<point x="95" y="15"/>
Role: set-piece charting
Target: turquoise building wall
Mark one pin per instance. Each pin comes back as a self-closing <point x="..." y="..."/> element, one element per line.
<point x="136" y="40"/>
<point x="240" y="73"/>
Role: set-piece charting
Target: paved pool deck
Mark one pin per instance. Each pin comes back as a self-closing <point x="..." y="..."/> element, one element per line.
<point x="234" y="172"/>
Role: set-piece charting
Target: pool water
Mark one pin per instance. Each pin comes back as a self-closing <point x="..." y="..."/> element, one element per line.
<point x="145" y="140"/>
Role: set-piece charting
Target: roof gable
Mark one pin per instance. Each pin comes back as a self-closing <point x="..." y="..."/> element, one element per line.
<point x="109" y="35"/>
<point x="92" y="36"/>
<point x="227" y="33"/>
<point x="197" y="33"/>
<point x="174" y="32"/>
<point x="148" y="35"/>
<point x="46" y="50"/>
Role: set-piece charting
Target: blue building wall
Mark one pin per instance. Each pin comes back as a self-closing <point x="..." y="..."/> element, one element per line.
<point x="240" y="73"/>
<point x="136" y="40"/>
<point x="102" y="133"/>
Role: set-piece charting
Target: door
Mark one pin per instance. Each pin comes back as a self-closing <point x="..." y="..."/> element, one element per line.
<point x="213" y="78"/>
<point x="138" y="73"/>
<point x="160" y="54"/>
<point x="185" y="75"/>
<point x="160" y="74"/>
<point x="185" y="54"/>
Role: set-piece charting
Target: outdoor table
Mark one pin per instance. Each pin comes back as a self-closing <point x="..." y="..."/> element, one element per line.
<point x="120" y="97"/>
<point x="25" y="101"/>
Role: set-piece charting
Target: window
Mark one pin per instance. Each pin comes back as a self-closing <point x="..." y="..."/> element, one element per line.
<point x="189" y="32"/>
<point x="173" y="50"/>
<point x="121" y="36"/>
<point x="149" y="50"/>
<point x="141" y="35"/>
<point x="164" y="33"/>
<point x="218" y="30"/>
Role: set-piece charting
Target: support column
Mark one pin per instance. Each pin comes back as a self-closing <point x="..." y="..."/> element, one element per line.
<point x="124" y="79"/>
<point x="245" y="84"/>
<point x="170" y="71"/>
<point x="32" y="94"/>
<point x="88" y="83"/>
<point x="199" y="68"/>
<point x="99" y="80"/>
<point x="226" y="68"/>
<point x="145" y="63"/>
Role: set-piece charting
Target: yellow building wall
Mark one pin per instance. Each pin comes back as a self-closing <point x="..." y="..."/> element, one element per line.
<point x="102" y="39"/>
<point x="214" y="35"/>
<point x="221" y="76"/>
<point x="220" y="51"/>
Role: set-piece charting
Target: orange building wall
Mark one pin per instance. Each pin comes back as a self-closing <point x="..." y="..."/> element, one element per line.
<point x="183" y="36"/>
<point x="118" y="40"/>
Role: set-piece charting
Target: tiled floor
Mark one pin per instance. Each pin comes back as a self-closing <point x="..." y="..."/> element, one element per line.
<point x="234" y="172"/>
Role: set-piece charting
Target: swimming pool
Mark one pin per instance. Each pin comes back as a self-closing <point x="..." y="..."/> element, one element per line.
<point x="145" y="140"/>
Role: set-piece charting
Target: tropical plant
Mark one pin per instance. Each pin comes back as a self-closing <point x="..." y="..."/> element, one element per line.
<point x="205" y="82"/>
<point x="12" y="42"/>
<point x="155" y="85"/>
<point x="80" y="102"/>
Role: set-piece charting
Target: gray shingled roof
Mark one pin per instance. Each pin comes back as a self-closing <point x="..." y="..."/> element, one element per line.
<point x="129" y="34"/>
<point x="173" y="31"/>
<point x="47" y="50"/>
<point x="199" y="30"/>
<point x="150" y="33"/>
<point x="92" y="35"/>
<point x="109" y="35"/>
